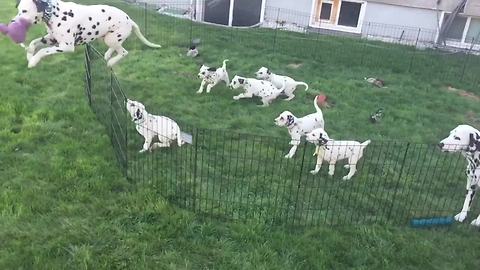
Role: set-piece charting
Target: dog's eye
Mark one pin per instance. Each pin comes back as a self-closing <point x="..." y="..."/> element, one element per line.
<point x="456" y="138"/>
<point x="281" y="118"/>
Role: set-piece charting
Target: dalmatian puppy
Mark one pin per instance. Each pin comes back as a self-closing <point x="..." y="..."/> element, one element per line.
<point x="213" y="76"/>
<point x="466" y="140"/>
<point x="158" y="131"/>
<point x="289" y="84"/>
<point x="253" y="87"/>
<point x="69" y="24"/>
<point x="332" y="151"/>
<point x="298" y="127"/>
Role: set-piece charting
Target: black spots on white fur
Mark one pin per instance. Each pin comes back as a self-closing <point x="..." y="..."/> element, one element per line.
<point x="68" y="31"/>
<point x="43" y="40"/>
<point x="96" y="33"/>
<point x="98" y="23"/>
<point x="64" y="18"/>
<point x="58" y="25"/>
<point x="128" y="18"/>
<point x="90" y="18"/>
<point x="58" y="50"/>
<point x="119" y="35"/>
<point x="241" y="81"/>
<point x="109" y="19"/>
<point x="212" y="69"/>
<point x="103" y="10"/>
<point x="94" y="26"/>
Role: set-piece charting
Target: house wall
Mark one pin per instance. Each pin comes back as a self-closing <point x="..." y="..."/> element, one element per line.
<point x="400" y="23"/>
<point x="297" y="11"/>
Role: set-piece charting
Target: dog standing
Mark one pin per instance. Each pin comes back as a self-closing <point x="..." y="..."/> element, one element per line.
<point x="212" y="76"/>
<point x="281" y="82"/>
<point x="332" y="151"/>
<point x="253" y="87"/>
<point x="298" y="127"/>
<point x="158" y="131"/>
<point x="466" y="140"/>
<point x="70" y="24"/>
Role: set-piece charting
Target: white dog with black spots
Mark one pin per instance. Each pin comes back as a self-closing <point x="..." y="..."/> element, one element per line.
<point x="70" y="24"/>
<point x="466" y="140"/>
<point x="331" y="151"/>
<point x="253" y="87"/>
<point x="158" y="131"/>
<point x="281" y="82"/>
<point x="213" y="76"/>
<point x="298" y="127"/>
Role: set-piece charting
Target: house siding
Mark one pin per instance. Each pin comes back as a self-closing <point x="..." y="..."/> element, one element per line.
<point x="399" y="22"/>
<point x="297" y="12"/>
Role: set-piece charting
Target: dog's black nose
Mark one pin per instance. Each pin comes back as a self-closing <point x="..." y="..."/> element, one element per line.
<point x="441" y="145"/>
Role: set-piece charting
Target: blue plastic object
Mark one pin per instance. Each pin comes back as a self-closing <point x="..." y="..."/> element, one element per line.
<point x="431" y="222"/>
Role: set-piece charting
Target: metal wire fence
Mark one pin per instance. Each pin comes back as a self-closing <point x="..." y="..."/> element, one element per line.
<point x="228" y="175"/>
<point x="376" y="46"/>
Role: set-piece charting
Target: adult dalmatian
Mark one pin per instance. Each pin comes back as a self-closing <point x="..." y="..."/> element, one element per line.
<point x="69" y="24"/>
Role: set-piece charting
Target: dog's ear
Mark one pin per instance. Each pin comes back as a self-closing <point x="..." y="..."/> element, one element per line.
<point x="474" y="143"/>
<point x="212" y="69"/>
<point x="241" y="81"/>
<point x="138" y="114"/>
<point x="42" y="5"/>
<point x="290" y="119"/>
<point x="268" y="71"/>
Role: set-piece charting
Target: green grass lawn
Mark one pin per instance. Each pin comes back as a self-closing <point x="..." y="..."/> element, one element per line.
<point x="65" y="204"/>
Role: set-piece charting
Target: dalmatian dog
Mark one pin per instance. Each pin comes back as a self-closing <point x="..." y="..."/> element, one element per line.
<point x="288" y="84"/>
<point x="213" y="76"/>
<point x="253" y="87"/>
<point x="332" y="151"/>
<point x="466" y="140"/>
<point x="158" y="131"/>
<point x="69" y="24"/>
<point x="298" y="127"/>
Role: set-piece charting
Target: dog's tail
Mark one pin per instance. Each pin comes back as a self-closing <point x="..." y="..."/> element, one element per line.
<point x="315" y="103"/>
<point x="224" y="66"/>
<point x="142" y="38"/>
<point x="304" y="84"/>
<point x="365" y="143"/>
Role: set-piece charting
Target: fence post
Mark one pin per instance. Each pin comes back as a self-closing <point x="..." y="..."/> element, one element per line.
<point x="111" y="108"/>
<point x="88" y="75"/>
<point x="195" y="141"/>
<point x="365" y="44"/>
<point x="275" y="35"/>
<point x="467" y="57"/>
<point x="299" y="182"/>
<point x="398" y="182"/>
<point x="414" y="51"/>
<point x="145" y="7"/>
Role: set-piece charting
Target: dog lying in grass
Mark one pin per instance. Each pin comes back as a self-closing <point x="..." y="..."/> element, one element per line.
<point x="332" y="151"/>
<point x="298" y="127"/>
<point x="253" y="87"/>
<point x="213" y="76"/>
<point x="281" y="82"/>
<point x="158" y="131"/>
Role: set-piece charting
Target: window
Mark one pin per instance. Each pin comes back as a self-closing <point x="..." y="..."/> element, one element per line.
<point x="326" y="11"/>
<point x="457" y="27"/>
<point x="473" y="34"/>
<point x="349" y="14"/>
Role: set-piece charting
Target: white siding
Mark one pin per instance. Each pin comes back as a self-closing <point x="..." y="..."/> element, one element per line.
<point x="297" y="12"/>
<point x="400" y="23"/>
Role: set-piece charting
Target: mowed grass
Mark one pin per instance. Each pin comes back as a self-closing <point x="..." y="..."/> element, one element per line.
<point x="65" y="204"/>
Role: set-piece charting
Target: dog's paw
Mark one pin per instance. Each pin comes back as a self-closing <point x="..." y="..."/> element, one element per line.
<point x="29" y="56"/>
<point x="331" y="173"/>
<point x="33" y="62"/>
<point x="236" y="98"/>
<point x="476" y="222"/>
<point x="346" y="177"/>
<point x="313" y="172"/>
<point x="460" y="217"/>
<point x="288" y="156"/>
<point x="199" y="92"/>
<point x="142" y="151"/>
<point x="346" y="166"/>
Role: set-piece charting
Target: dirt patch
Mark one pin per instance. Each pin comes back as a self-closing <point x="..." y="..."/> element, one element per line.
<point x="294" y="65"/>
<point x="463" y="93"/>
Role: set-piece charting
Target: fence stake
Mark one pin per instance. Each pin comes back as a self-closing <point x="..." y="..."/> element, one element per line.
<point x="398" y="182"/>
<point x="299" y="183"/>
<point x="88" y="75"/>
<point x="275" y="35"/>
<point x="145" y="7"/>
<point x="467" y="57"/>
<point x="414" y="50"/>
<point x="195" y="159"/>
